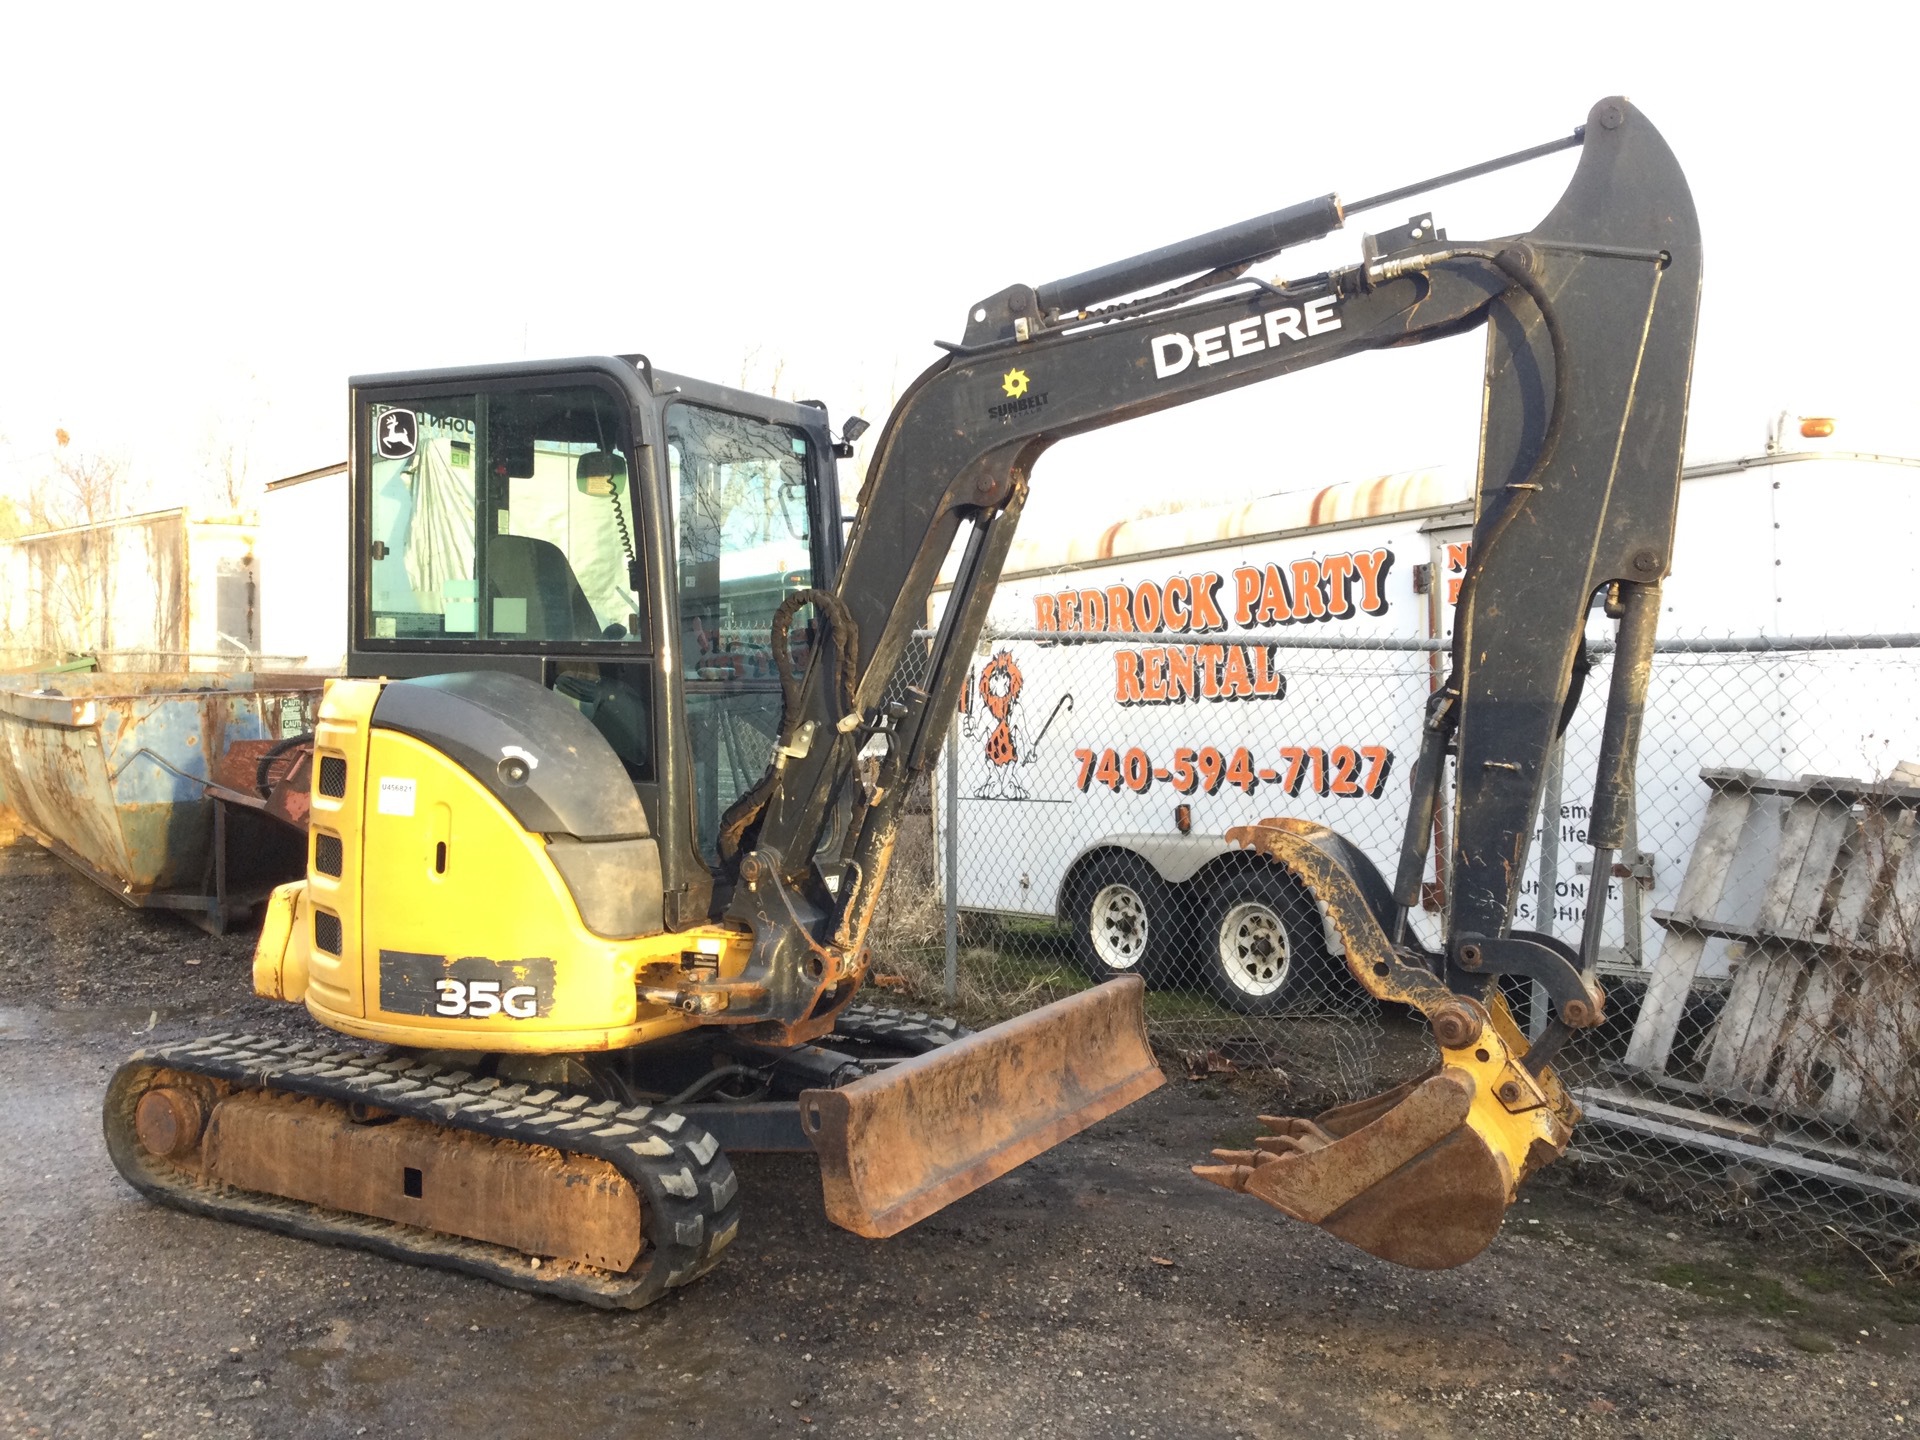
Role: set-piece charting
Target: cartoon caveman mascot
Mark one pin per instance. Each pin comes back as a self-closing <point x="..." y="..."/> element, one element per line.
<point x="1000" y="686"/>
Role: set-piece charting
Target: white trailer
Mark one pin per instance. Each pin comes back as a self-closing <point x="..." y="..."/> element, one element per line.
<point x="1148" y="685"/>
<point x="303" y="569"/>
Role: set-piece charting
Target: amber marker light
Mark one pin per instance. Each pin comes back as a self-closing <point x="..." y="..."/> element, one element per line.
<point x="1816" y="427"/>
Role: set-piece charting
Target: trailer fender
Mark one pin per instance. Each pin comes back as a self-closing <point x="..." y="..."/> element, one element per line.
<point x="1175" y="858"/>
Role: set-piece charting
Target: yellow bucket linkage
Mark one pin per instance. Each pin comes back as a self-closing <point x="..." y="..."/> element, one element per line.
<point x="1421" y="1175"/>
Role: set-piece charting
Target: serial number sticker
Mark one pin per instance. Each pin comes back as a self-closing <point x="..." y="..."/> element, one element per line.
<point x="1345" y="772"/>
<point x="396" y="796"/>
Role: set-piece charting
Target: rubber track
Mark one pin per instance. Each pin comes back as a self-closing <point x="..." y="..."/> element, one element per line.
<point x="914" y="1029"/>
<point x="691" y="1198"/>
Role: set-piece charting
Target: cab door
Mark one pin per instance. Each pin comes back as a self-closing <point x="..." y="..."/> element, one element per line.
<point x="743" y="493"/>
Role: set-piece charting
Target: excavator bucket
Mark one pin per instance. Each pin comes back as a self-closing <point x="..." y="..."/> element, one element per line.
<point x="1412" y="1176"/>
<point x="1421" y="1175"/>
<point x="904" y="1142"/>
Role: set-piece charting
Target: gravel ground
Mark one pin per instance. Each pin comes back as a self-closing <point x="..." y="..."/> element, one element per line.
<point x="1098" y="1291"/>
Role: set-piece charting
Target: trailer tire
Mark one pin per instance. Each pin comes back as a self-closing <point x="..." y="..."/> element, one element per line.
<point x="1261" y="940"/>
<point x="1122" y="918"/>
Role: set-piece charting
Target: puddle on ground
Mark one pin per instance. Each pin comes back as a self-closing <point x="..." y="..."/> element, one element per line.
<point x="27" y="1022"/>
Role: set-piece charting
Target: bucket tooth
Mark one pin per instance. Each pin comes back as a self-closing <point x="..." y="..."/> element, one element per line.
<point x="902" y="1143"/>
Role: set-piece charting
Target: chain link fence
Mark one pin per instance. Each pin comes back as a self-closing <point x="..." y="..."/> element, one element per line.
<point x="1759" y="944"/>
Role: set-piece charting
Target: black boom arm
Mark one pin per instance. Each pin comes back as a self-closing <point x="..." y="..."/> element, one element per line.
<point x="1590" y="320"/>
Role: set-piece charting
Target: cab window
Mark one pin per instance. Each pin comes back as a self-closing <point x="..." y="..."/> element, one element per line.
<point x="502" y="516"/>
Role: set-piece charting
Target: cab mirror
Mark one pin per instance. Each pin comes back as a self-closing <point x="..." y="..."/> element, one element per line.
<point x="599" y="473"/>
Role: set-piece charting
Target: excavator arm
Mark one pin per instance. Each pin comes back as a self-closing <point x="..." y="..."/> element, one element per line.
<point x="1590" y="319"/>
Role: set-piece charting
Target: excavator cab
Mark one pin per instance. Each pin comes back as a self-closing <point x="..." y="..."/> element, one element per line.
<point x="617" y="535"/>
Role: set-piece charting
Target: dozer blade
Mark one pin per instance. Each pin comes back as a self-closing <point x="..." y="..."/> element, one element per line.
<point x="901" y="1143"/>
<point x="1421" y="1175"/>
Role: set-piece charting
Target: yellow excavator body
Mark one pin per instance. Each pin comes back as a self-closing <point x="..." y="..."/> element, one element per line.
<point x="421" y="886"/>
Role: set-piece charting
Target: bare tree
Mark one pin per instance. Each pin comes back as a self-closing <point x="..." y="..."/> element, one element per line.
<point x="227" y="449"/>
<point x="761" y="376"/>
<point x="84" y="488"/>
<point x="74" y="578"/>
<point x="227" y="466"/>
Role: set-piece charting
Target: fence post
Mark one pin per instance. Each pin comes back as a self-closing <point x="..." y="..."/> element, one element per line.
<point x="1547" y="883"/>
<point x="1630" y="916"/>
<point x="953" y="866"/>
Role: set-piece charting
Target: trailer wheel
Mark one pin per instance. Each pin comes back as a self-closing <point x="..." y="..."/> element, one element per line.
<point x="1121" y="919"/>
<point x="1261" y="939"/>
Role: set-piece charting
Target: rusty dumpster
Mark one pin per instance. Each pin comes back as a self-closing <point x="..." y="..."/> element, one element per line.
<point x="121" y="776"/>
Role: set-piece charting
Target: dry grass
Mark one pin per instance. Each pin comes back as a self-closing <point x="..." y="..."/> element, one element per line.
<point x="908" y="939"/>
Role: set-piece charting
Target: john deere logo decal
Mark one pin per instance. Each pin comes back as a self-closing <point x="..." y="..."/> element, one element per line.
<point x="399" y="433"/>
<point x="1017" y="386"/>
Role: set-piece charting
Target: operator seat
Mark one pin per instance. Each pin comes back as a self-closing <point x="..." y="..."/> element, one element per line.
<point x="520" y="567"/>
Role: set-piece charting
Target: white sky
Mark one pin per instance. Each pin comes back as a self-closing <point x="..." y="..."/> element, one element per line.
<point x="214" y="221"/>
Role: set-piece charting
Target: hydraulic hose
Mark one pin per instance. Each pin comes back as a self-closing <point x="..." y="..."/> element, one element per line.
<point x="846" y="639"/>
<point x="273" y="753"/>
<point x="1517" y="262"/>
<point x="744" y="812"/>
<point x="712" y="1081"/>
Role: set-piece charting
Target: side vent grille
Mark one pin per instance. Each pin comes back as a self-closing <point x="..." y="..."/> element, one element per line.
<point x="327" y="854"/>
<point x="326" y="932"/>
<point x="333" y="777"/>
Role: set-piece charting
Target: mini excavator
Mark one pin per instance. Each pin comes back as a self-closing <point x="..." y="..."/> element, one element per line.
<point x="596" y="832"/>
